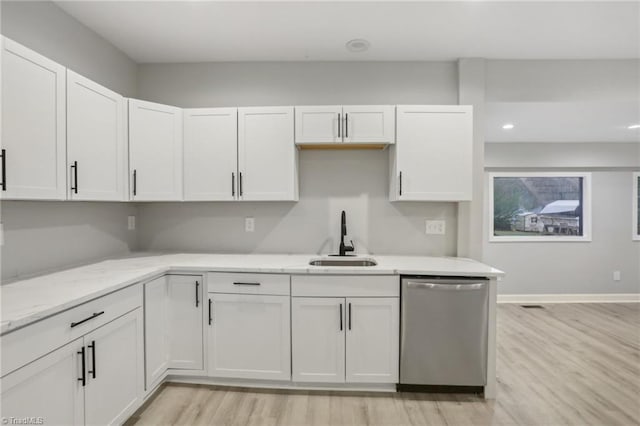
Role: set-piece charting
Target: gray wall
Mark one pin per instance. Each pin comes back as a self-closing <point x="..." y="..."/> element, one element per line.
<point x="568" y="267"/>
<point x="298" y="83"/>
<point x="47" y="29"/>
<point x="41" y="236"/>
<point x="330" y="181"/>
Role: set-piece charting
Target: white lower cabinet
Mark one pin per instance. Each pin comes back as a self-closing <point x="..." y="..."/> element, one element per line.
<point x="96" y="379"/>
<point x="345" y="328"/>
<point x="156" y="338"/>
<point x="318" y="339"/>
<point x="48" y="388"/>
<point x="185" y="322"/>
<point x="372" y="340"/>
<point x="249" y="336"/>
<point x="114" y="370"/>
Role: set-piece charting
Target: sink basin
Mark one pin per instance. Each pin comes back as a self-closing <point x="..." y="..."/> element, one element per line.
<point x="343" y="262"/>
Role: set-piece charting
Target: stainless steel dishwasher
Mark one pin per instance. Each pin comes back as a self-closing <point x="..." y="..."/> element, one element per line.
<point x="444" y="324"/>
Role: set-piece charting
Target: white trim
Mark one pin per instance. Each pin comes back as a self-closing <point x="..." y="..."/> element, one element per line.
<point x="635" y="233"/>
<point x="586" y="208"/>
<point x="570" y="298"/>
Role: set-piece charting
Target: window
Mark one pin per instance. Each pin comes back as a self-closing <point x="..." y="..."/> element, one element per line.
<point x="636" y="206"/>
<point x="539" y="206"/>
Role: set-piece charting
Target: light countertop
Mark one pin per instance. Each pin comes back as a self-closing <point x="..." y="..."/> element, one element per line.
<point x="29" y="300"/>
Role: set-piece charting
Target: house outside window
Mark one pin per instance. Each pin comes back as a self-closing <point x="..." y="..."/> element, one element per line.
<point x="539" y="206"/>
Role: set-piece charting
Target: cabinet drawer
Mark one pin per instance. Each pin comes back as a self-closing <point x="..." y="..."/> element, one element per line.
<point x="277" y="284"/>
<point x="22" y="346"/>
<point x="345" y="285"/>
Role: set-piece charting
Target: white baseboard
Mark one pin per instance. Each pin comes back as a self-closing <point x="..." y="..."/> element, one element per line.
<point x="570" y="298"/>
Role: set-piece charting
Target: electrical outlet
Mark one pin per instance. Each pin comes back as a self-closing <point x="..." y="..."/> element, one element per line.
<point x="131" y="223"/>
<point x="1" y="234"/>
<point x="616" y="276"/>
<point x="249" y="224"/>
<point x="435" y="227"/>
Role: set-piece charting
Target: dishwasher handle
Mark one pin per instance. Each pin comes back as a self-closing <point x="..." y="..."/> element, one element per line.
<point x="446" y="287"/>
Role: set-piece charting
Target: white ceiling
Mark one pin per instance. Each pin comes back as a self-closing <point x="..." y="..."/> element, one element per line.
<point x="562" y="121"/>
<point x="203" y="31"/>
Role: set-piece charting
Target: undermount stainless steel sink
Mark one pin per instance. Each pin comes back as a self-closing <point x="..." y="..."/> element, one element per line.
<point x="343" y="262"/>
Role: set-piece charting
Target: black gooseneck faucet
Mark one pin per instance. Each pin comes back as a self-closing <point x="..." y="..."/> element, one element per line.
<point x="343" y="232"/>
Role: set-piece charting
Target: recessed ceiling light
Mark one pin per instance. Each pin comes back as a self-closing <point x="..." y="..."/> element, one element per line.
<point x="508" y="126"/>
<point x="358" y="45"/>
<point x="634" y="126"/>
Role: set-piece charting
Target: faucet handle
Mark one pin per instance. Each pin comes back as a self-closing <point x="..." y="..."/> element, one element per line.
<point x="353" y="246"/>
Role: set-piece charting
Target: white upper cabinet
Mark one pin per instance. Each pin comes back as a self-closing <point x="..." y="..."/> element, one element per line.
<point x="210" y="154"/>
<point x="96" y="141"/>
<point x="432" y="158"/>
<point x="369" y="124"/>
<point x="155" y="151"/>
<point x="33" y="125"/>
<point x="357" y="124"/>
<point x="267" y="157"/>
<point x="318" y="124"/>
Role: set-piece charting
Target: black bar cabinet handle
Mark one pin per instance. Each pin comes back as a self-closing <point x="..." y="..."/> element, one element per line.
<point x="93" y="359"/>
<point x="339" y="124"/>
<point x="197" y="299"/>
<point x="96" y="314"/>
<point x="135" y="182"/>
<point x="240" y="183"/>
<point x="233" y="184"/>
<point x="349" y="316"/>
<point x="346" y="125"/>
<point x="210" y="318"/>
<point x="74" y="186"/>
<point x="4" y="170"/>
<point x="341" y="317"/>
<point x="400" y="183"/>
<point x="83" y="379"/>
<point x="241" y="283"/>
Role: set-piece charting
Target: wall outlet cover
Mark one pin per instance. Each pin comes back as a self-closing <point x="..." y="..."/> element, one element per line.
<point x="435" y="227"/>
<point x="131" y="223"/>
<point x="249" y="224"/>
<point x="616" y="276"/>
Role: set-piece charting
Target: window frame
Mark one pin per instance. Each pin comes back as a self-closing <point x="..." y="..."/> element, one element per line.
<point x="635" y="232"/>
<point x="586" y="208"/>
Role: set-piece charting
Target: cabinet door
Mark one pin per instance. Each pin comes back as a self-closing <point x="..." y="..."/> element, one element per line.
<point x="249" y="337"/>
<point x="210" y="154"/>
<point x="432" y="160"/>
<point x="156" y="325"/>
<point x="96" y="149"/>
<point x="155" y="151"/>
<point x="373" y="326"/>
<point x="318" y="124"/>
<point x="267" y="158"/>
<point x="369" y="124"/>
<point x="33" y="125"/>
<point x="317" y="337"/>
<point x="114" y="370"/>
<point x="47" y="388"/>
<point x="185" y="322"/>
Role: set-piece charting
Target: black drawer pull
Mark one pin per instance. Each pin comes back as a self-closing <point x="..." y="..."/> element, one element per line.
<point x="93" y="358"/>
<point x="83" y="379"/>
<point x="97" y="314"/>
<point x="239" y="283"/>
<point x="4" y="170"/>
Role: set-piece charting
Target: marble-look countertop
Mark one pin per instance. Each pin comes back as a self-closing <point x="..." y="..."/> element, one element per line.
<point x="30" y="300"/>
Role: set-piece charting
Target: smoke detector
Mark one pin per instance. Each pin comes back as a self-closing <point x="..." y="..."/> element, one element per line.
<point x="358" y="45"/>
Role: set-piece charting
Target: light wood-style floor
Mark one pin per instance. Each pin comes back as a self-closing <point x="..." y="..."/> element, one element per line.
<point x="566" y="364"/>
